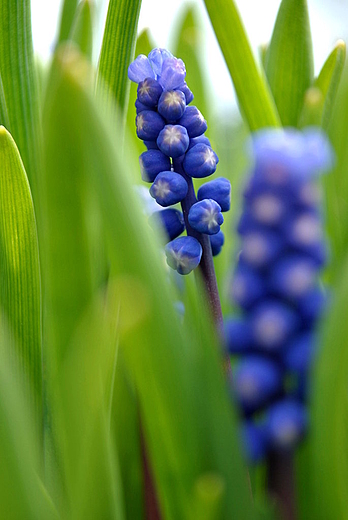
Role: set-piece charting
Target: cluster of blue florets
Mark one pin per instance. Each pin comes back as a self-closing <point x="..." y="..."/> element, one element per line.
<point x="177" y="151"/>
<point x="276" y="287"/>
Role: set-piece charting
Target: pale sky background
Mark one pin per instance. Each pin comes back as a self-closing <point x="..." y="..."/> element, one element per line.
<point x="329" y="22"/>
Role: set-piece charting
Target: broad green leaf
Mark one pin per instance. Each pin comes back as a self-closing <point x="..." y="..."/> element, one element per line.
<point x="82" y="30"/>
<point x="329" y="464"/>
<point x="67" y="16"/>
<point x="312" y="109"/>
<point x="189" y="426"/>
<point x="20" y="85"/>
<point x="117" y="49"/>
<point x="328" y="80"/>
<point x="4" y="119"/>
<point x="254" y="96"/>
<point x="188" y="44"/>
<point x="20" y="292"/>
<point x="289" y="62"/>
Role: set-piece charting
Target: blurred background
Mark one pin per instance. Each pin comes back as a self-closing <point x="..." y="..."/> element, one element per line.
<point x="328" y="23"/>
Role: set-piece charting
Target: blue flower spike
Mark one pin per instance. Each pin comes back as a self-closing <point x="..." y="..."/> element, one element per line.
<point x="276" y="285"/>
<point x="178" y="150"/>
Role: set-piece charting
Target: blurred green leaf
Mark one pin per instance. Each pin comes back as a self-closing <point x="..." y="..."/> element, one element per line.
<point x="188" y="45"/>
<point x="185" y="409"/>
<point x="117" y="50"/>
<point x="82" y="29"/>
<point x="289" y="62"/>
<point x="19" y="80"/>
<point x="254" y="96"/>
<point x="328" y="80"/>
<point x="312" y="108"/>
<point x="329" y="464"/>
<point x="20" y="292"/>
<point x="4" y="119"/>
<point x="68" y="10"/>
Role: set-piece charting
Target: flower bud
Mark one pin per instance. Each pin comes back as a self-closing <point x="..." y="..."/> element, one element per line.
<point x="200" y="161"/>
<point x="149" y="92"/>
<point x="218" y="190"/>
<point x="171" y="105"/>
<point x="152" y="163"/>
<point x="172" y="221"/>
<point x="205" y="216"/>
<point x="168" y="188"/>
<point x="149" y="124"/>
<point x="183" y="254"/>
<point x="216" y="242"/>
<point x="173" y="140"/>
<point x="193" y="121"/>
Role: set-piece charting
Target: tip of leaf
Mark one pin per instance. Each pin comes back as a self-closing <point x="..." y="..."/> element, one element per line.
<point x="340" y="44"/>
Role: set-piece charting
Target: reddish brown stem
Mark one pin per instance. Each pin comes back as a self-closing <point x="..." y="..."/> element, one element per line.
<point x="281" y="484"/>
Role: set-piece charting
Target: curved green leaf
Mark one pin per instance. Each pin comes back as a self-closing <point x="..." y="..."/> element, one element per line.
<point x="81" y="31"/>
<point x="118" y="48"/>
<point x="254" y="96"/>
<point x="329" y="436"/>
<point x="20" y="86"/>
<point x="4" y="119"/>
<point x="312" y="108"/>
<point x="20" y="295"/>
<point x="289" y="62"/>
<point x="328" y="80"/>
<point x="66" y="19"/>
<point x="185" y="409"/>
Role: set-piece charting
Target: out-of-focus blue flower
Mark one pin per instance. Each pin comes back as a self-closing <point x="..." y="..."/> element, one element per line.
<point x="205" y="216"/>
<point x="173" y="140"/>
<point x="183" y="254"/>
<point x="168" y="188"/>
<point x="276" y="279"/>
<point x="254" y="441"/>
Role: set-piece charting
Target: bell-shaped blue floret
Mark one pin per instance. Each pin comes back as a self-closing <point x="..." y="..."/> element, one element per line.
<point x="171" y="105"/>
<point x="173" y="73"/>
<point x="200" y="161"/>
<point x="149" y="124"/>
<point x="151" y="145"/>
<point x="286" y="423"/>
<point x="149" y="92"/>
<point x="200" y="139"/>
<point x="237" y="335"/>
<point x="152" y="163"/>
<point x="168" y="188"/>
<point x="205" y="216"/>
<point x="293" y="276"/>
<point x="140" y="107"/>
<point x="183" y="254"/>
<point x="247" y="286"/>
<point x="304" y="231"/>
<point x="272" y="324"/>
<point x="156" y="57"/>
<point x="172" y="221"/>
<point x="187" y="92"/>
<point x="216" y="242"/>
<point x="260" y="247"/>
<point x="218" y="190"/>
<point x="173" y="140"/>
<point x="256" y="380"/>
<point x="193" y="121"/>
<point x="312" y="305"/>
<point x="299" y="353"/>
<point x="254" y="442"/>
<point x="140" y="69"/>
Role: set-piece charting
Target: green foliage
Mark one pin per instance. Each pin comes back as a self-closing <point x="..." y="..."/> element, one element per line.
<point x="98" y="371"/>
<point x="289" y="60"/>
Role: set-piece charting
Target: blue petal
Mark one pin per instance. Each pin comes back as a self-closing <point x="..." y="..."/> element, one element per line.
<point x="286" y="424"/>
<point x="173" y="74"/>
<point x="140" y="69"/>
<point x="168" y="188"/>
<point x="156" y="57"/>
<point x="216" y="242"/>
<point x="183" y="254"/>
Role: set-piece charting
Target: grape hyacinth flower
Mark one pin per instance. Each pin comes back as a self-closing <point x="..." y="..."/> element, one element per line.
<point x="276" y="287"/>
<point x="177" y="152"/>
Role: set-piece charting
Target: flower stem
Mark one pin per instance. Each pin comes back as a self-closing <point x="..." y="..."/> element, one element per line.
<point x="281" y="483"/>
<point x="206" y="264"/>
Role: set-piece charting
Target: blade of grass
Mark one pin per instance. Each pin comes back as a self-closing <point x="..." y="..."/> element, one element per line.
<point x="20" y="84"/>
<point x="4" y="119"/>
<point x="66" y="19"/>
<point x="117" y="50"/>
<point x="189" y="428"/>
<point x="328" y="80"/>
<point x="82" y="30"/>
<point x="20" y="291"/>
<point x="254" y="96"/>
<point x="289" y="61"/>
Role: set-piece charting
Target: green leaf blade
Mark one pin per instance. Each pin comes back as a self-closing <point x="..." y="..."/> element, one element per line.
<point x="20" y="285"/>
<point x="81" y="31"/>
<point x="254" y="96"/>
<point x="289" y="62"/>
<point x="19" y="80"/>
<point x="117" y="49"/>
<point x="328" y="80"/>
